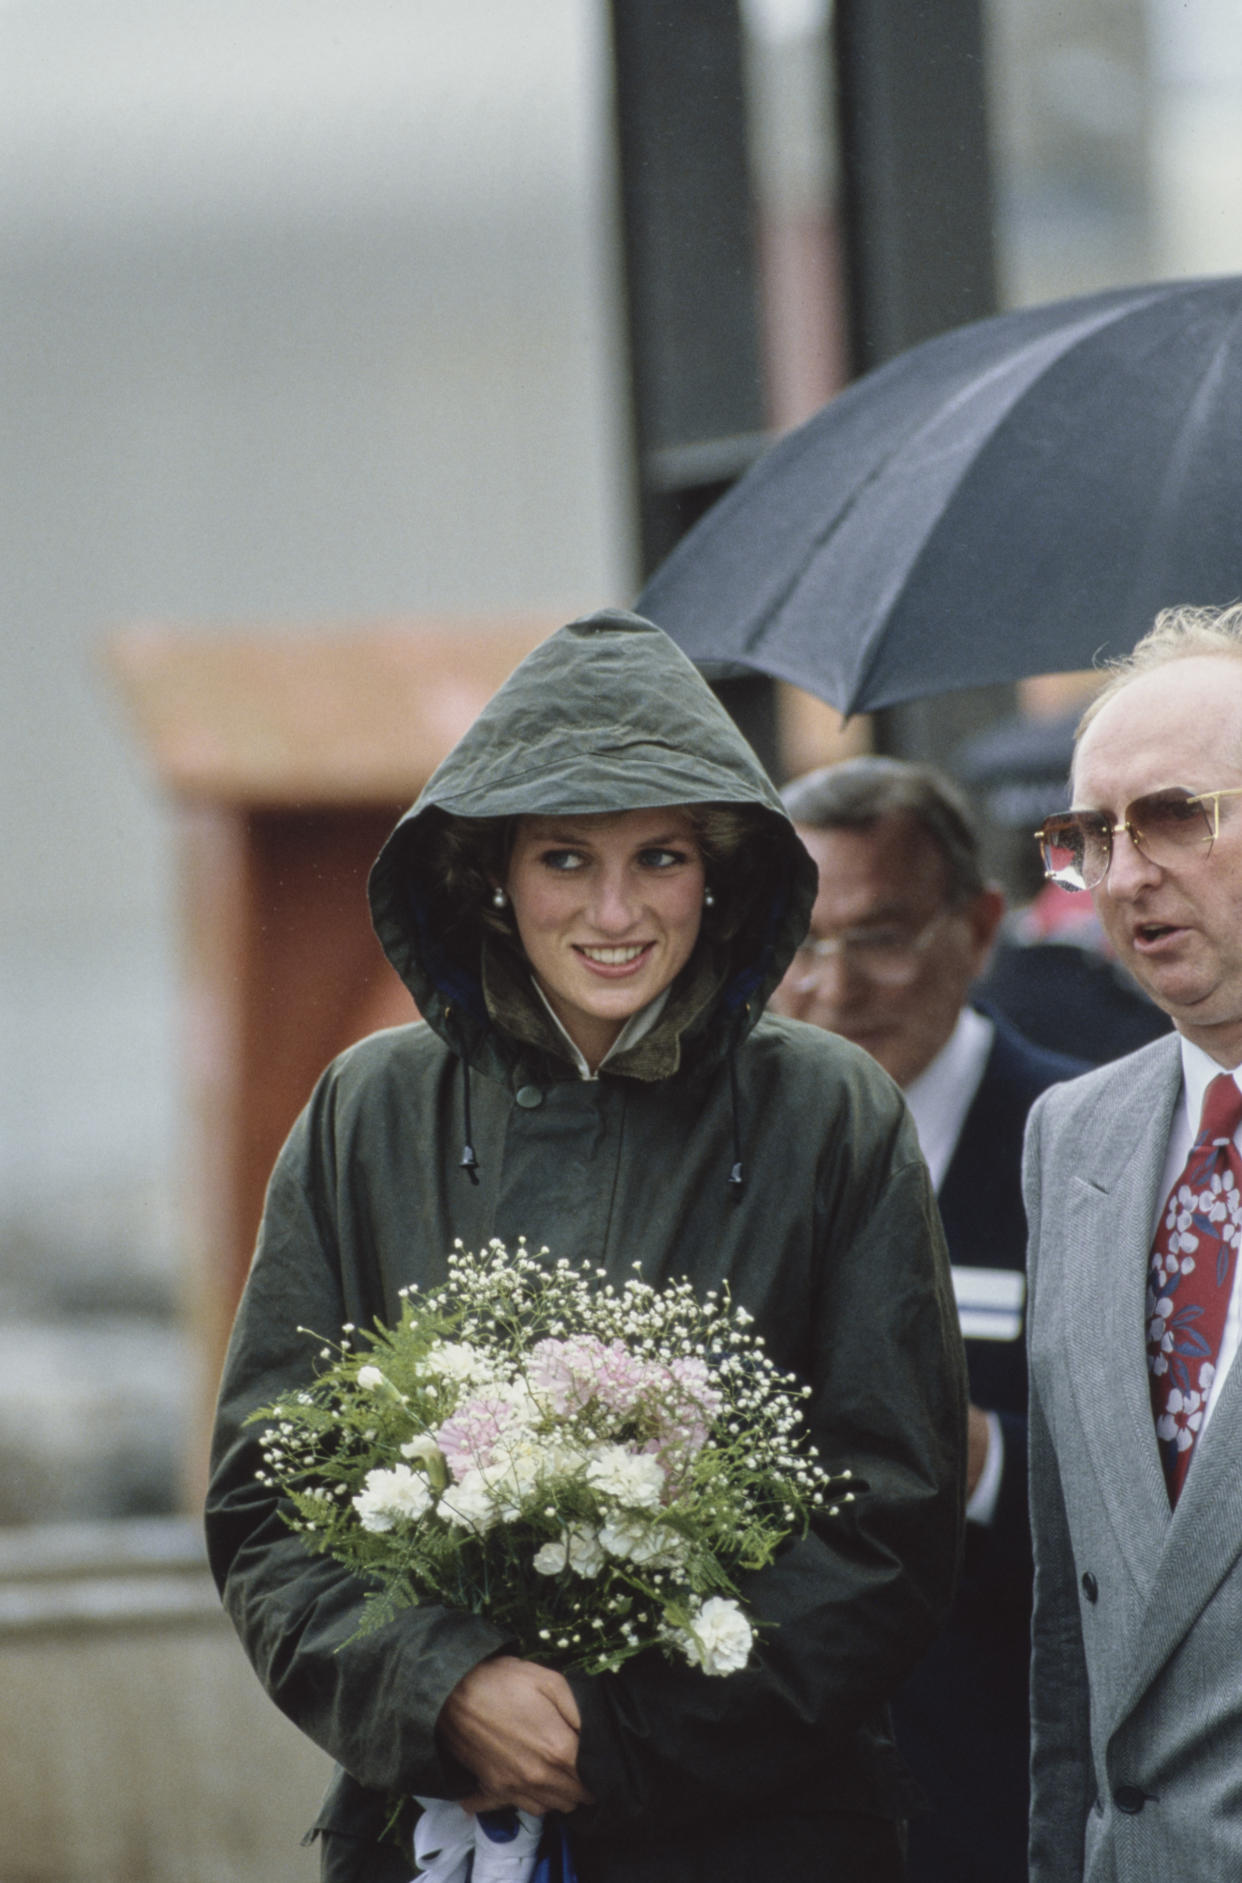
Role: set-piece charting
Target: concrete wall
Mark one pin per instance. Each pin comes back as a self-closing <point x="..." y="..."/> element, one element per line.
<point x="136" y="1745"/>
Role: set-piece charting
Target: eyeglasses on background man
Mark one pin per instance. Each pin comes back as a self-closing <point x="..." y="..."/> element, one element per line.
<point x="889" y="954"/>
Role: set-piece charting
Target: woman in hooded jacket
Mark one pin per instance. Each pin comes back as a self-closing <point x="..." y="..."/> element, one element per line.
<point x="589" y="903"/>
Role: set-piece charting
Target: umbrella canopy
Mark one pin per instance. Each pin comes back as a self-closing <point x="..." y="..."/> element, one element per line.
<point x="1013" y="497"/>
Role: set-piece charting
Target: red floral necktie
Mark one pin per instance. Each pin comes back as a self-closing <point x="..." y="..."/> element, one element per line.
<point x="1191" y="1279"/>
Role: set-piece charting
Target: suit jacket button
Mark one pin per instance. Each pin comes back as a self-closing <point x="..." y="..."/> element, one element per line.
<point x="1090" y="1587"/>
<point x="1130" y="1799"/>
<point x="529" y="1097"/>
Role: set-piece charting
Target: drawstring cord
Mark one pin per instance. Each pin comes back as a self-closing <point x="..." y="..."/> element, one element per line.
<point x="737" y="1176"/>
<point x="467" y="1161"/>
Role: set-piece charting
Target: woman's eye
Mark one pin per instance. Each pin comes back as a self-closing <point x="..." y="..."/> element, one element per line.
<point x="661" y="859"/>
<point x="563" y="860"/>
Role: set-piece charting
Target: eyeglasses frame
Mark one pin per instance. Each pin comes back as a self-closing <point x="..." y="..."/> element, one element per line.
<point x="828" y="947"/>
<point x="1127" y="825"/>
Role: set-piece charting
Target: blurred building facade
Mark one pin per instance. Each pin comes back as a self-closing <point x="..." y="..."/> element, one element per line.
<point x="308" y="319"/>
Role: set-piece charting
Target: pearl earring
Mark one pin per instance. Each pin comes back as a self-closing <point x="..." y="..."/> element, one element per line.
<point x="499" y="899"/>
<point x="709" y="900"/>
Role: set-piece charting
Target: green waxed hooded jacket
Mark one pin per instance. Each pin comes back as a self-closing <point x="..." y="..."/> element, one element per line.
<point x="832" y="1242"/>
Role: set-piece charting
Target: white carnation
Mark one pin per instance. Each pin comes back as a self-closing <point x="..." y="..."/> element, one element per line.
<point x="719" y="1638"/>
<point x="514" y="1475"/>
<point x="636" y="1538"/>
<point x="635" y="1479"/>
<point x="585" y="1555"/>
<point x="551" y="1558"/>
<point x="527" y="1411"/>
<point x="423" y="1446"/>
<point x="578" y="1550"/>
<point x="560" y="1456"/>
<point x="370" y="1377"/>
<point x="470" y="1503"/>
<point x="456" y="1361"/>
<point x="389" y="1497"/>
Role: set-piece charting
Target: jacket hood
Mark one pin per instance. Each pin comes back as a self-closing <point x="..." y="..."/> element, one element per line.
<point x="607" y="715"/>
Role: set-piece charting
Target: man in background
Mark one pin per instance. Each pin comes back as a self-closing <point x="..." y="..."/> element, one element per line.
<point x="903" y="925"/>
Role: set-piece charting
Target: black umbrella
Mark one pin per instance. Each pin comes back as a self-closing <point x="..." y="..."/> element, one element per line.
<point x="1010" y="498"/>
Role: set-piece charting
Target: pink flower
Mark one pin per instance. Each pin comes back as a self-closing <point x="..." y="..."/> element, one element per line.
<point x="684" y="1404"/>
<point x="470" y="1437"/>
<point x="569" y="1374"/>
<point x="674" y="1403"/>
<point x="620" y="1379"/>
<point x="695" y="1381"/>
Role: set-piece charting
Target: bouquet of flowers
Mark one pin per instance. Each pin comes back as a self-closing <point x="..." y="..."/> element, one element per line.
<point x="589" y="1467"/>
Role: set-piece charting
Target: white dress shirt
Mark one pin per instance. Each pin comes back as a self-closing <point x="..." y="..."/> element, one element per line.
<point x="1198" y="1071"/>
<point x="944" y="1092"/>
<point x="939" y="1100"/>
<point x="636" y="1028"/>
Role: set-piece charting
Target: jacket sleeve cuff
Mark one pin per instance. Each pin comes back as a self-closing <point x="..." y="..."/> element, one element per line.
<point x="981" y="1507"/>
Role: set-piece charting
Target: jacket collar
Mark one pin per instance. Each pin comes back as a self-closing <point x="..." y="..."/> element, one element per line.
<point x="518" y="1014"/>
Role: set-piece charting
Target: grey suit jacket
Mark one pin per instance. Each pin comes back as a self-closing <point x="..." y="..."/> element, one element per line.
<point x="1137" y="1659"/>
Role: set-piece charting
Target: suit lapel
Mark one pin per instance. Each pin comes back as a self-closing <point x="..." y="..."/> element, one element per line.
<point x="1202" y="1541"/>
<point x="1110" y="1208"/>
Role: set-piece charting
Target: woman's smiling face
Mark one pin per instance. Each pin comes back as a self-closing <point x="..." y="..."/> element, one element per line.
<point x="608" y="909"/>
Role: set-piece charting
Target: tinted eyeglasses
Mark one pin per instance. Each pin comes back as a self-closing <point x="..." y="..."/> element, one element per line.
<point x="1164" y="826"/>
<point x="890" y="955"/>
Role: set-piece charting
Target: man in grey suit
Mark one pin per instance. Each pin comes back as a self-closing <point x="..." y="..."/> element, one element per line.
<point x="1137" y="1661"/>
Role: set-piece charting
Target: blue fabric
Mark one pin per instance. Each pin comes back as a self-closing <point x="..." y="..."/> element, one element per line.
<point x="554" y="1863"/>
<point x="499" y="1827"/>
